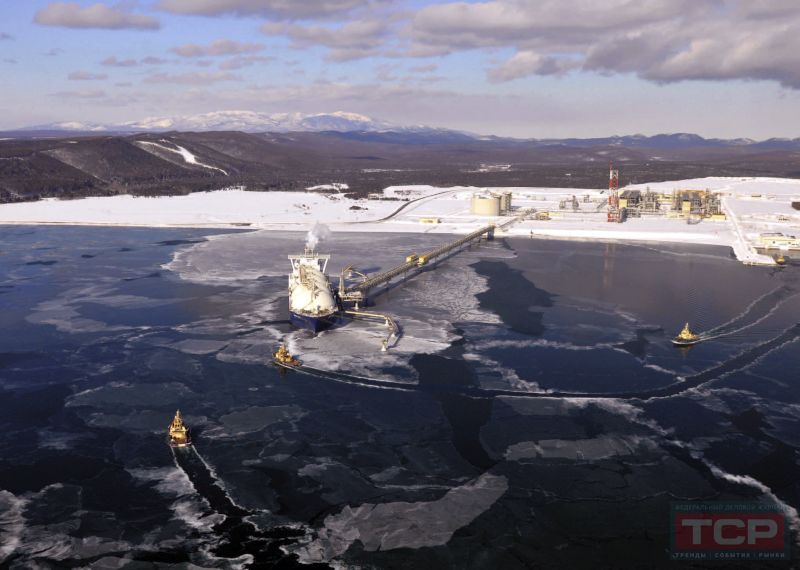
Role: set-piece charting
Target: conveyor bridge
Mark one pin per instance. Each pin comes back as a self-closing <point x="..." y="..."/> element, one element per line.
<point x="356" y="293"/>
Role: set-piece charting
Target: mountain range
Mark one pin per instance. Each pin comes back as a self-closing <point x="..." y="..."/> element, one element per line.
<point x="377" y="130"/>
<point x="244" y="121"/>
<point x="295" y="151"/>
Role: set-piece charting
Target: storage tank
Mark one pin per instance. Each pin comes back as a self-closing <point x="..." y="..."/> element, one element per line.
<point x="485" y="205"/>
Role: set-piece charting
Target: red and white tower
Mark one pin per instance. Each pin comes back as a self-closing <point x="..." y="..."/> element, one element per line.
<point x="613" y="186"/>
<point x="614" y="214"/>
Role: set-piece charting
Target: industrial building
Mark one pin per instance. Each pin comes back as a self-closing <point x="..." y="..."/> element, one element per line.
<point x="636" y="203"/>
<point x="696" y="203"/>
<point x="777" y="240"/>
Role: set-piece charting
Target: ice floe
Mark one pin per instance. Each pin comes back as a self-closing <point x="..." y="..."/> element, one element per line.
<point x="386" y="526"/>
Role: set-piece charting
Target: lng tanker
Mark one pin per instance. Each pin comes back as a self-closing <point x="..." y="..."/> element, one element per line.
<point x="312" y="304"/>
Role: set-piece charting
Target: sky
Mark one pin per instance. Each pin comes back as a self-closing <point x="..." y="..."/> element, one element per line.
<point x="523" y="68"/>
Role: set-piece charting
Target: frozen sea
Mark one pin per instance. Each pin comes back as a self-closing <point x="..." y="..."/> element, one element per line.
<point x="532" y="414"/>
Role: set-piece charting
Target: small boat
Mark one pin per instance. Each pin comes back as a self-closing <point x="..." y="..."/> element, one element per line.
<point x="686" y="337"/>
<point x="283" y="358"/>
<point x="780" y="260"/>
<point x="178" y="432"/>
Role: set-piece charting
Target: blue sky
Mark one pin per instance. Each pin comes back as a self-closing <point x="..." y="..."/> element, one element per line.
<point x="528" y="68"/>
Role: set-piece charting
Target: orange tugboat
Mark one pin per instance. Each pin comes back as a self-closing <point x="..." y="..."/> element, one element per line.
<point x="283" y="358"/>
<point x="686" y="337"/>
<point x="178" y="432"/>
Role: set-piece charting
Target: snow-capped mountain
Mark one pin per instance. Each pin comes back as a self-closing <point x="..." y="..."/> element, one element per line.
<point x="362" y="127"/>
<point x="247" y="121"/>
<point x="71" y="126"/>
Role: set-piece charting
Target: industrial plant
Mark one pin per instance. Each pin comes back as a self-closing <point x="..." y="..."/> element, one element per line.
<point x="316" y="304"/>
<point x="617" y="206"/>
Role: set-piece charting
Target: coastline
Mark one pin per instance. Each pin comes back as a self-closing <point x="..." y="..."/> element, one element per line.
<point x="752" y="207"/>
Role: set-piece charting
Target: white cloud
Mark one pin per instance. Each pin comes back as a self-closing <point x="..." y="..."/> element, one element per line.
<point x="244" y="61"/>
<point x="85" y="94"/>
<point x="73" y="15"/>
<point x="86" y="76"/>
<point x="274" y="9"/>
<point x="197" y="78"/>
<point x="354" y="40"/>
<point x="218" y="47"/>
<point x="658" y="40"/>
<point x="427" y="68"/>
<point x="114" y="62"/>
<point x="525" y="63"/>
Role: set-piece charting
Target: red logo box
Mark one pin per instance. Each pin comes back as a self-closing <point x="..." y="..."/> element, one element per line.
<point x="729" y="531"/>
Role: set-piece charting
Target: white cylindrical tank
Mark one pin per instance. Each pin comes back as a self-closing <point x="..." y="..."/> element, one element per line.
<point x="485" y="205"/>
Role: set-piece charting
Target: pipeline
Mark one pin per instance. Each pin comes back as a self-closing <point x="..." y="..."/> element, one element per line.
<point x="391" y="324"/>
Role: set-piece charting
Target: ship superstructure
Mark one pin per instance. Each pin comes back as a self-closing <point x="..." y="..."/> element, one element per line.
<point x="686" y="337"/>
<point x="312" y="304"/>
<point x="177" y="432"/>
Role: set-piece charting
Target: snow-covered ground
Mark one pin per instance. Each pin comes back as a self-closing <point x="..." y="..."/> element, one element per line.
<point x="187" y="155"/>
<point x="753" y="206"/>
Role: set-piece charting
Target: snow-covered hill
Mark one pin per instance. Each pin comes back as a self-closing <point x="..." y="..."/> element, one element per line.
<point x="376" y="130"/>
<point x="247" y="121"/>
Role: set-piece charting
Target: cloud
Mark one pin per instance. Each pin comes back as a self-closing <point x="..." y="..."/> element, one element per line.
<point x="245" y="61"/>
<point x="427" y="68"/>
<point x="11" y="61"/>
<point x="353" y="40"/>
<point x="114" y="62"/>
<point x="197" y="78"/>
<point x="73" y="15"/>
<point x="86" y="76"/>
<point x="52" y="52"/>
<point x="273" y="9"/>
<point x="552" y="23"/>
<point x="525" y="63"/>
<point x="5" y="36"/>
<point x="218" y="47"/>
<point x="86" y="94"/>
<point x="657" y="40"/>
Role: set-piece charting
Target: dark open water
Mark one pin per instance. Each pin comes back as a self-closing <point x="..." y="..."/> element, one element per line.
<point x="462" y="464"/>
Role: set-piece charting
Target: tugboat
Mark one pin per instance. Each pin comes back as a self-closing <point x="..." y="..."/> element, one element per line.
<point x="686" y="337"/>
<point x="283" y="358"/>
<point x="178" y="432"/>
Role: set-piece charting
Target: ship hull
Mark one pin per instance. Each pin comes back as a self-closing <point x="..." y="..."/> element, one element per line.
<point x="312" y="323"/>
<point x="679" y="342"/>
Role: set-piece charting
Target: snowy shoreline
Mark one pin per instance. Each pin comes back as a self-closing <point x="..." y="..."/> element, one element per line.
<point x="752" y="205"/>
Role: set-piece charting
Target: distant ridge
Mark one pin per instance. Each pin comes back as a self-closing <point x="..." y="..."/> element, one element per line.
<point x="72" y="164"/>
<point x="362" y="127"/>
<point x="244" y="121"/>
